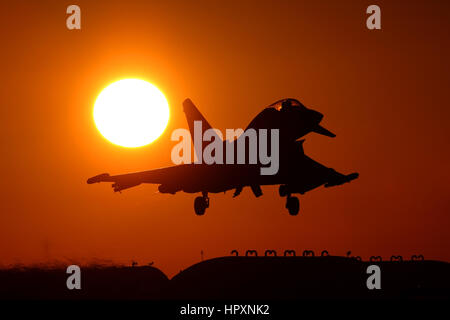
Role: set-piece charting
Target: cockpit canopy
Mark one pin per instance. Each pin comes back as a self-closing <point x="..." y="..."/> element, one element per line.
<point x="286" y="103"/>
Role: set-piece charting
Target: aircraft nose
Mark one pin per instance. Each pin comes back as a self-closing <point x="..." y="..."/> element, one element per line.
<point x="317" y="116"/>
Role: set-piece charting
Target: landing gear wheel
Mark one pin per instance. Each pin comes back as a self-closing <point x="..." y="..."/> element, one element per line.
<point x="283" y="191"/>
<point x="293" y="205"/>
<point x="200" y="206"/>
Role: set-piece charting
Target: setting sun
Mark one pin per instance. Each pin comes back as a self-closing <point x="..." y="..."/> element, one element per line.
<point x="131" y="113"/>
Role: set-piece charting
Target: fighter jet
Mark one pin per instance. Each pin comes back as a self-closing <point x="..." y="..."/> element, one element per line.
<point x="297" y="172"/>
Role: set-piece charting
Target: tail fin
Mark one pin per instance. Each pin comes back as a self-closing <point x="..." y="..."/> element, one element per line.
<point x="193" y="115"/>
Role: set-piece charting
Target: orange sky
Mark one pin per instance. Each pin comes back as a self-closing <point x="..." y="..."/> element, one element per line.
<point x="384" y="93"/>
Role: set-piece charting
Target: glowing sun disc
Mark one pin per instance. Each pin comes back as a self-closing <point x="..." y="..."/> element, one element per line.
<point x="131" y="113"/>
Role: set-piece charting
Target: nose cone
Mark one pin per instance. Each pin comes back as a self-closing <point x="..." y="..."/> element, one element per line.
<point x="321" y="130"/>
<point x="317" y="116"/>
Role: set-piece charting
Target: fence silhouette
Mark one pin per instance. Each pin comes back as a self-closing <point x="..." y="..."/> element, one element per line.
<point x="324" y="253"/>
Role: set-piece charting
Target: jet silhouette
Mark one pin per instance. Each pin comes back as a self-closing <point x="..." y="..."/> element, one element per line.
<point x="297" y="172"/>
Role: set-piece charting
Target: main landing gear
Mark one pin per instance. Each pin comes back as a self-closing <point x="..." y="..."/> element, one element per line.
<point x="292" y="203"/>
<point x="201" y="204"/>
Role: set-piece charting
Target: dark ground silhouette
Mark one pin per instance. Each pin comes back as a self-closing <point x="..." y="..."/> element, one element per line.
<point x="269" y="278"/>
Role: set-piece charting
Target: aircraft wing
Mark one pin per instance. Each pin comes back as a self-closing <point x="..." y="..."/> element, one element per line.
<point x="125" y="181"/>
<point x="337" y="178"/>
<point x="308" y="174"/>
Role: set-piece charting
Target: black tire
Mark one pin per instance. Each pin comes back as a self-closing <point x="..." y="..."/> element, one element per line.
<point x="293" y="205"/>
<point x="199" y="206"/>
